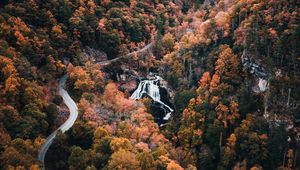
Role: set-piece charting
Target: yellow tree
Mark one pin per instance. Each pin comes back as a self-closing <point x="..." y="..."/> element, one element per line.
<point x="120" y="143"/>
<point x="174" y="166"/>
<point x="168" y="42"/>
<point x="229" y="150"/>
<point x="105" y="2"/>
<point x="227" y="64"/>
<point x="215" y="81"/>
<point x="7" y="67"/>
<point x="82" y="80"/>
<point x="117" y="99"/>
<point x="123" y="159"/>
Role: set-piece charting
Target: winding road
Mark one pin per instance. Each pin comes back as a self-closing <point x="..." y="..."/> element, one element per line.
<point x="73" y="107"/>
<point x="64" y="127"/>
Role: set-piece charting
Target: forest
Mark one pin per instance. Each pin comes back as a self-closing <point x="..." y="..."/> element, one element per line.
<point x="149" y="84"/>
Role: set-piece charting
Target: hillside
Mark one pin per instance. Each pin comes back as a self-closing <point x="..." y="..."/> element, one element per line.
<point x="144" y="84"/>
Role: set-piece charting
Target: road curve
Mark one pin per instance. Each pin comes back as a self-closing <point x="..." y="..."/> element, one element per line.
<point x="65" y="126"/>
<point x="73" y="107"/>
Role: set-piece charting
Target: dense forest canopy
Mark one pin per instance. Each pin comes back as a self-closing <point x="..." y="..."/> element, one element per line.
<point x="229" y="71"/>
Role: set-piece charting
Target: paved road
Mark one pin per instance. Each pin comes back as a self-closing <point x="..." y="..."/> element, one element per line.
<point x="64" y="127"/>
<point x="107" y="62"/>
<point x="73" y="107"/>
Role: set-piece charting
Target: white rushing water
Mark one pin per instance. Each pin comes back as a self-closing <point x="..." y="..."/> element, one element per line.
<point x="151" y="88"/>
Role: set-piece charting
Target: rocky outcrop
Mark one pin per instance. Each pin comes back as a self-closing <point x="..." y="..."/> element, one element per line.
<point x="258" y="70"/>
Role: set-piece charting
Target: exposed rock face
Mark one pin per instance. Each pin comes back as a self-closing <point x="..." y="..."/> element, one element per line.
<point x="262" y="84"/>
<point x="164" y="85"/>
<point x="259" y="71"/>
<point x="94" y="54"/>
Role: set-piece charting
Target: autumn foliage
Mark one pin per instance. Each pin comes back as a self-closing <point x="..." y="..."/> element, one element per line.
<point x="221" y="119"/>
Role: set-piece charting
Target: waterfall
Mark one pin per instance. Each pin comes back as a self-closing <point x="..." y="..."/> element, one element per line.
<point x="151" y="88"/>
